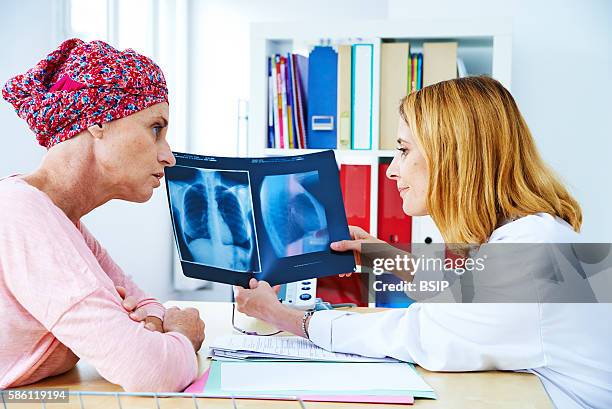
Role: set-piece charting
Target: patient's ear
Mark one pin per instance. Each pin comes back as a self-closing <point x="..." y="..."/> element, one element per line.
<point x="97" y="130"/>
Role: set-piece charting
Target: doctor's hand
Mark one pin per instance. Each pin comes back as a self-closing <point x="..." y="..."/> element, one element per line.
<point x="139" y="314"/>
<point x="358" y="237"/>
<point x="259" y="301"/>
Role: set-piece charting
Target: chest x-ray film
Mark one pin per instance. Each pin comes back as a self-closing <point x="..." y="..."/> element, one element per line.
<point x="268" y="218"/>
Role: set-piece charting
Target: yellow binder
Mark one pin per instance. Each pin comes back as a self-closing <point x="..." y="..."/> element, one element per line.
<point x="393" y="87"/>
<point x="439" y="62"/>
<point x="344" y="97"/>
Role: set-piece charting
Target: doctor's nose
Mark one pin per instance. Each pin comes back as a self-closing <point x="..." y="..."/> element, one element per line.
<point x="393" y="169"/>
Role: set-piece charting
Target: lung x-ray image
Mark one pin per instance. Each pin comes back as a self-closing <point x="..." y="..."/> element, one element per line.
<point x="269" y="218"/>
<point x="293" y="217"/>
<point x="213" y="218"/>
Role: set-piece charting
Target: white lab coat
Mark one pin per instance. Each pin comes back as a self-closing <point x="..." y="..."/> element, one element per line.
<point x="569" y="346"/>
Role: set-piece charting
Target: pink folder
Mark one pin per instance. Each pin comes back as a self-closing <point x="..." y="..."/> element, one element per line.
<point x="198" y="385"/>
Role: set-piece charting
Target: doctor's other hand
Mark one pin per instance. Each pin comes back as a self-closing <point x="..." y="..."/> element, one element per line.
<point x="259" y="301"/>
<point x="186" y="322"/>
<point x="358" y="237"/>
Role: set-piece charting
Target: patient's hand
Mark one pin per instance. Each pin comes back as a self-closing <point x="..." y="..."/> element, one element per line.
<point x="188" y="323"/>
<point x="358" y="237"/>
<point x="139" y="314"/>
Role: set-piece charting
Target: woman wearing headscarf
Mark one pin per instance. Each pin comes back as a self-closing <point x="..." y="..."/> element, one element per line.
<point x="103" y="115"/>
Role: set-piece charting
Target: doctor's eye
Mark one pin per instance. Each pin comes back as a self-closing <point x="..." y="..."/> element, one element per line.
<point x="404" y="151"/>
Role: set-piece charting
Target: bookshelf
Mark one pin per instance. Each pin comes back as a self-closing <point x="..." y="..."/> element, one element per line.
<point x="485" y="46"/>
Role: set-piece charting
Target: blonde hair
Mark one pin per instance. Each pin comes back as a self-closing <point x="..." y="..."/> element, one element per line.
<point x="483" y="164"/>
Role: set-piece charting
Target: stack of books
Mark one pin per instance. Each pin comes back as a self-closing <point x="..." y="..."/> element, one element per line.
<point x="287" y="84"/>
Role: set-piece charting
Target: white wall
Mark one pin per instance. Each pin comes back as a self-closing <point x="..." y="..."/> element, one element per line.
<point x="561" y="80"/>
<point x="24" y="40"/>
<point x="139" y="235"/>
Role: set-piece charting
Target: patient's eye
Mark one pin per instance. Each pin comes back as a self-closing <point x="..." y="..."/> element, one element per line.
<point x="157" y="130"/>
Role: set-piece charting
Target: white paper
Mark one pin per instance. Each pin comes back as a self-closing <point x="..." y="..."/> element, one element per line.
<point x="318" y="376"/>
<point x="249" y="346"/>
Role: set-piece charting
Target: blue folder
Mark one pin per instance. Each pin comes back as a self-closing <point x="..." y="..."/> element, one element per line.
<point x="391" y="299"/>
<point x="322" y="98"/>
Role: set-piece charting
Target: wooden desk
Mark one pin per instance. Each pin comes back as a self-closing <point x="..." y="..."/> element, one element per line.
<point x="455" y="390"/>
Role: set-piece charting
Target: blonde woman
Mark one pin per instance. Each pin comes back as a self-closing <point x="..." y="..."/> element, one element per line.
<point x="466" y="157"/>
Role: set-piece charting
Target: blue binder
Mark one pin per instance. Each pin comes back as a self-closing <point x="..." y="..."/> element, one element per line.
<point x="322" y="98"/>
<point x="391" y="299"/>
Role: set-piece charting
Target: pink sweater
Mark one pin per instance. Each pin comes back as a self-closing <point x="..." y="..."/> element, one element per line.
<point x="58" y="303"/>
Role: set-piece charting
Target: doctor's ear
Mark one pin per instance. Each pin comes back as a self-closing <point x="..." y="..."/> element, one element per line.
<point x="97" y="130"/>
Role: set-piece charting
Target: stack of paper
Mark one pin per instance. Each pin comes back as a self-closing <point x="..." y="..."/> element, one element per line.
<point x="248" y="347"/>
<point x="246" y="366"/>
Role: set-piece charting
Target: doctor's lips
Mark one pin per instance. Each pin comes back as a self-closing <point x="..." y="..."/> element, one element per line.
<point x="402" y="189"/>
<point x="159" y="175"/>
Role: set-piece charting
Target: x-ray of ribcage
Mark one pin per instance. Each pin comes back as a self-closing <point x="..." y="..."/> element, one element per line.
<point x="213" y="213"/>
<point x="292" y="216"/>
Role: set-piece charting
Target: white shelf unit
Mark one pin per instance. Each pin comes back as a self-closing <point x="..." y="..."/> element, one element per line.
<point x="484" y="45"/>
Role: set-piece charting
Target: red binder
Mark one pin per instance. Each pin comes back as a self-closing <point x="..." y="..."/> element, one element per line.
<point x="355" y="182"/>
<point x="394" y="226"/>
<point x="337" y="290"/>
